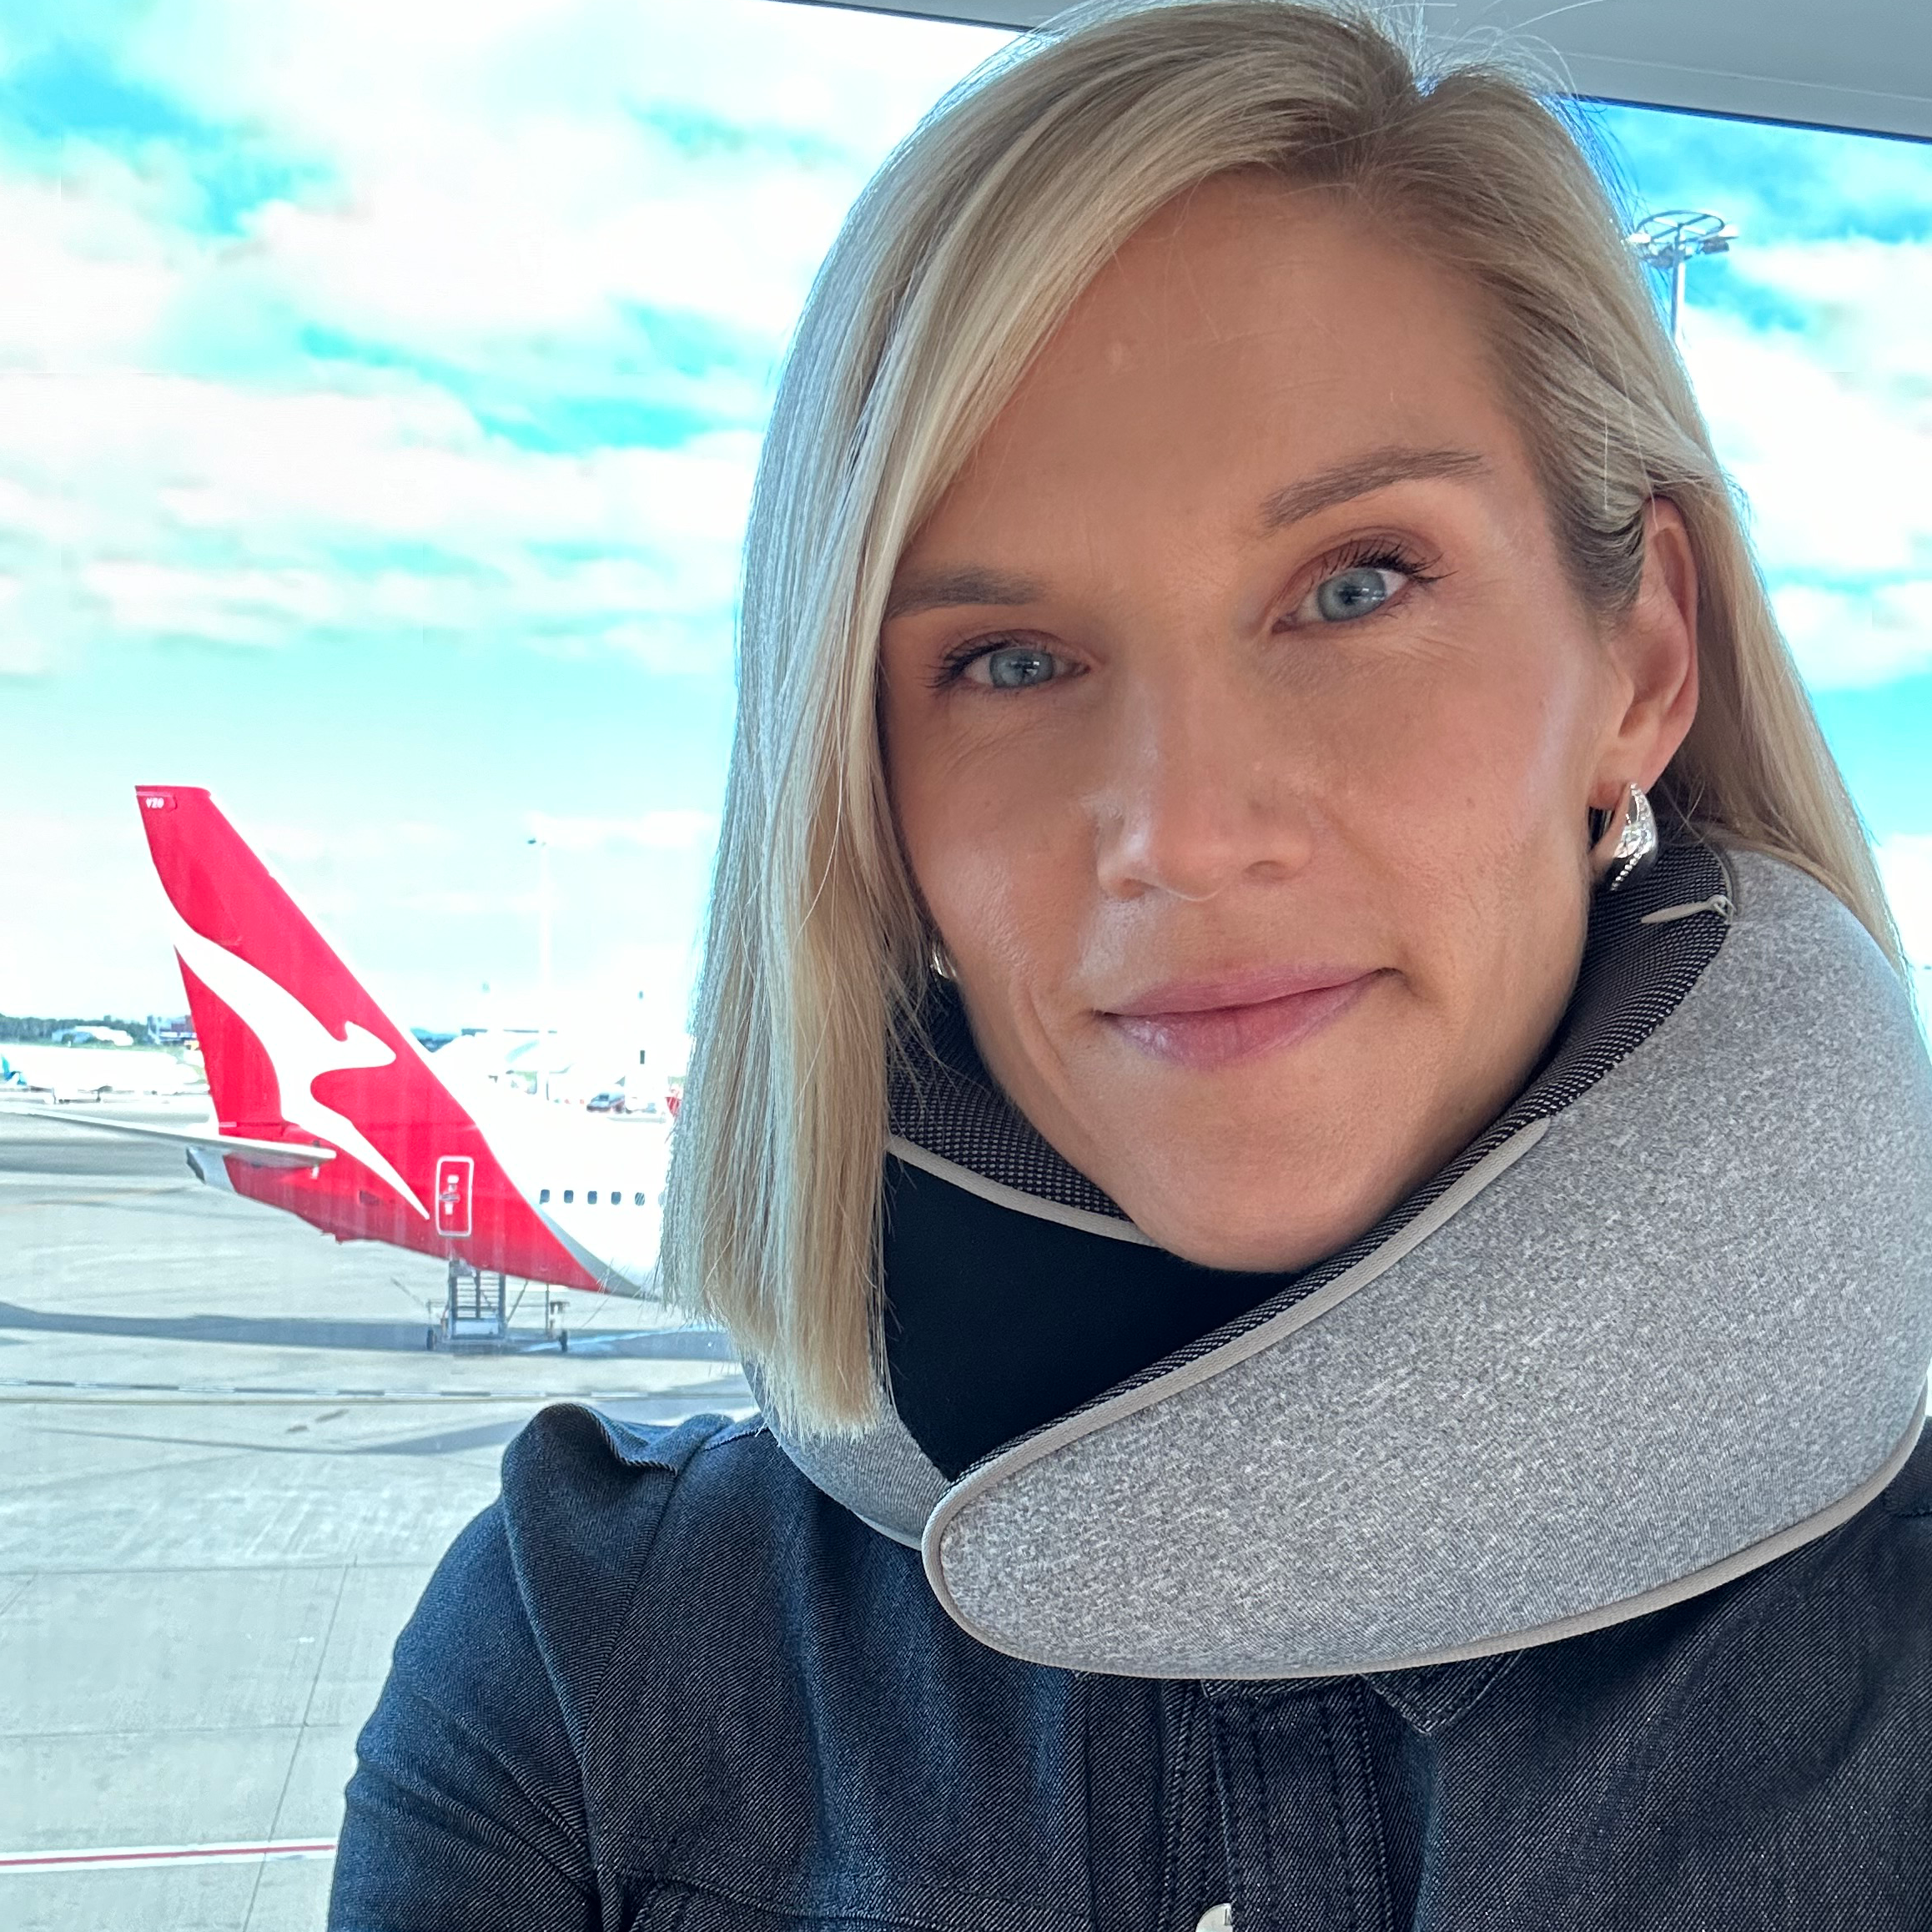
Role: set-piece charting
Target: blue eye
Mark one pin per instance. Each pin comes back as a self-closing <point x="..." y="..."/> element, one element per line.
<point x="1014" y="666"/>
<point x="1354" y="593"/>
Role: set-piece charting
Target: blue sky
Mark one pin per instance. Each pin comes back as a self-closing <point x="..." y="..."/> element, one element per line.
<point x="382" y="386"/>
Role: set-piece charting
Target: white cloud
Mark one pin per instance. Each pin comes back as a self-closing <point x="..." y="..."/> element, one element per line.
<point x="460" y="903"/>
<point x="504" y="211"/>
<point x="1866" y="301"/>
<point x="23" y="651"/>
<point x="1833" y="468"/>
<point x="1905" y="863"/>
<point x="292" y="509"/>
<point x="1827" y="430"/>
<point x="504" y="107"/>
<point x="1863" y="637"/>
<point x="243" y="607"/>
<point x="89" y="270"/>
<point x="491" y="196"/>
<point x="674" y="830"/>
<point x="84" y="927"/>
<point x="335" y="842"/>
<point x="582" y="222"/>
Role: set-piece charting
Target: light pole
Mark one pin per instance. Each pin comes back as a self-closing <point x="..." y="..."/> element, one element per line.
<point x="543" y="1049"/>
<point x="1669" y="239"/>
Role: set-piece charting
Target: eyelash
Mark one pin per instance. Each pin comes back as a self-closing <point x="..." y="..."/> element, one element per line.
<point x="951" y="667"/>
<point x="1369" y="553"/>
<point x="1372" y="553"/>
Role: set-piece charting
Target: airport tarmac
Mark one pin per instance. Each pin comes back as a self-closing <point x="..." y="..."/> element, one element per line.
<point x="227" y="1465"/>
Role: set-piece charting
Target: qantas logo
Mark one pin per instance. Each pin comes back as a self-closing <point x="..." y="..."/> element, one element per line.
<point x="300" y="1048"/>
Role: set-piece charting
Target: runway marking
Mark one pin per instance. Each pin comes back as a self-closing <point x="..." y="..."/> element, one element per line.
<point x="132" y="1858"/>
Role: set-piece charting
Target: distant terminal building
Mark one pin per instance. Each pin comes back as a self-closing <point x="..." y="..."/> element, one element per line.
<point x="171" y="1030"/>
<point x="91" y="1036"/>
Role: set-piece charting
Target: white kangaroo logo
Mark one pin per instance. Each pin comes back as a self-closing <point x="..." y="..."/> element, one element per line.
<point x="300" y="1048"/>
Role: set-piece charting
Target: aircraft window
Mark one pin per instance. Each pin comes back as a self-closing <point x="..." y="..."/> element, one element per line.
<point x="382" y="561"/>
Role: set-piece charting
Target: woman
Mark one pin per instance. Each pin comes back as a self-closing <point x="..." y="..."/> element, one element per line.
<point x="1305" y="1112"/>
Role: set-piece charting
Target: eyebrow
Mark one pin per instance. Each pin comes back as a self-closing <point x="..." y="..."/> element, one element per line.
<point x="1340" y="483"/>
<point x="934" y="590"/>
<point x="1360" y="475"/>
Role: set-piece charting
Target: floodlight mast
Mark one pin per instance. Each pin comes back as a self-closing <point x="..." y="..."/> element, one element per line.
<point x="1672" y="238"/>
<point x="545" y="1051"/>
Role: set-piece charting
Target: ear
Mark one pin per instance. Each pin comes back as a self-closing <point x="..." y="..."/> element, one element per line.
<point x="1653" y="650"/>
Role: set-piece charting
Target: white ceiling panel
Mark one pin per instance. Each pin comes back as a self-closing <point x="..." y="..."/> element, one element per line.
<point x="1837" y="64"/>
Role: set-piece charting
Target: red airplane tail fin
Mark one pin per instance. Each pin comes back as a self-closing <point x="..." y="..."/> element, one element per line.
<point x="297" y="1050"/>
<point x="293" y="1045"/>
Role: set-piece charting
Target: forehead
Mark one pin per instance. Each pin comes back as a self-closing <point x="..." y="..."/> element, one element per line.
<point x="1248" y="333"/>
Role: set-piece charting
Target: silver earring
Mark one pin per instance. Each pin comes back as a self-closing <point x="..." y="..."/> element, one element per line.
<point x="1628" y="842"/>
<point x="940" y="960"/>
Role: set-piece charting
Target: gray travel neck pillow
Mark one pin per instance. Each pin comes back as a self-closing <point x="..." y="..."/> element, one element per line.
<point x="1668" y="1318"/>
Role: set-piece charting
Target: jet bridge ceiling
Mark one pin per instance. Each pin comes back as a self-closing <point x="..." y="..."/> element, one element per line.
<point x="1838" y="64"/>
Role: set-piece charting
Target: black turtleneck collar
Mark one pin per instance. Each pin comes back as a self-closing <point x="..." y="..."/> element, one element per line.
<point x="1000" y="1322"/>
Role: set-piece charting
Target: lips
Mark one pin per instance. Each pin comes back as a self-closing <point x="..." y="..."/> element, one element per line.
<point x="1207" y="1023"/>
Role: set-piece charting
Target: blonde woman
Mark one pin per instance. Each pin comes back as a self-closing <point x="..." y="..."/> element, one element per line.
<point x="1305" y="1112"/>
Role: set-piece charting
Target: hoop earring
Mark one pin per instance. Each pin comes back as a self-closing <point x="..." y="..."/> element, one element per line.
<point x="1628" y="844"/>
<point x="940" y="960"/>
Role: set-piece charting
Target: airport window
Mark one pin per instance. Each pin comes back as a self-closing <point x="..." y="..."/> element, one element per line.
<point x="381" y="413"/>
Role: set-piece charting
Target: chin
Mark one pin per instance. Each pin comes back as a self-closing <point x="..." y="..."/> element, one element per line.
<point x="1216" y="1234"/>
<point x="1272" y="1251"/>
<point x="1255" y="1201"/>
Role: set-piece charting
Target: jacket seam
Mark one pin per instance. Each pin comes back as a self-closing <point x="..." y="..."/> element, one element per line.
<point x="1356" y="1693"/>
<point x="791" y="1909"/>
<point x="1339" y="1809"/>
<point x="640" y="1577"/>
<point x="1413" y="1712"/>
<point x="1172" y="1808"/>
<point x="643" y="1571"/>
<point x="492" y="1826"/>
<point x="1081" y="1690"/>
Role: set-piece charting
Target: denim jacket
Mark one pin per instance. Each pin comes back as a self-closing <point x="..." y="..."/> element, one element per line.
<point x="664" y="1682"/>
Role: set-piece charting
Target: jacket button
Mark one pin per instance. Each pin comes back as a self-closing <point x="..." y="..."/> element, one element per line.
<point x="1216" y="1919"/>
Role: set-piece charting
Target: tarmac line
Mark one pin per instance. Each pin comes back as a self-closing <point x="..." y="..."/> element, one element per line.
<point x="130" y="1858"/>
<point x="37" y="1390"/>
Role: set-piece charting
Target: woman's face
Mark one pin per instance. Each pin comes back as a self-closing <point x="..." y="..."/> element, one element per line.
<point x="1241" y="726"/>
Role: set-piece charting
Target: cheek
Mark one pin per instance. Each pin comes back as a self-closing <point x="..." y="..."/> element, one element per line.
<point x="1002" y="875"/>
<point x="1485" y="855"/>
<point x="1467" y="759"/>
<point x="992" y="839"/>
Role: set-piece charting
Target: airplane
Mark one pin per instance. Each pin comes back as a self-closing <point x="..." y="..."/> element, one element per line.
<point x="39" y="1079"/>
<point x="64" y="1074"/>
<point x="328" y="1110"/>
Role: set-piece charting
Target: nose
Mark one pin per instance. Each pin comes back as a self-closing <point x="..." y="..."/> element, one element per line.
<point x="1199" y="790"/>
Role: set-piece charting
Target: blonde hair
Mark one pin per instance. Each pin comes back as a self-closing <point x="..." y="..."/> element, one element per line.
<point x="965" y="250"/>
